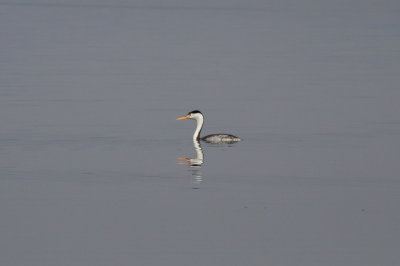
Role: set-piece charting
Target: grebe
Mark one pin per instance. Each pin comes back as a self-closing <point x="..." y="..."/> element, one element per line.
<point x="214" y="138"/>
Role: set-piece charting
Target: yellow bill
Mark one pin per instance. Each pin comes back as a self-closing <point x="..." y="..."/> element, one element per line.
<point x="184" y="117"/>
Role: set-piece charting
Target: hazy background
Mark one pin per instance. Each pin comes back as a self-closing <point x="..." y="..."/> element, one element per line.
<point x="89" y="94"/>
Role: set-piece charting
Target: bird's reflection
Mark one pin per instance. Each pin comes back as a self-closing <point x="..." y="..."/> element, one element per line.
<point x="194" y="163"/>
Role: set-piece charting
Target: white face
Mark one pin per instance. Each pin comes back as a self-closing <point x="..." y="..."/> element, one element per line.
<point x="195" y="116"/>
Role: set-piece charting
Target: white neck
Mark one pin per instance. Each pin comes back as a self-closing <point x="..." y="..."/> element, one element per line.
<point x="200" y="121"/>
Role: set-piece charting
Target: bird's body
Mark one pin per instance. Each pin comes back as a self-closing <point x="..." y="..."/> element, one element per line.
<point x="214" y="138"/>
<point x="220" y="138"/>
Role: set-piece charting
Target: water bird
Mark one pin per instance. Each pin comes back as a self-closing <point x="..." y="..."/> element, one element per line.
<point x="220" y="138"/>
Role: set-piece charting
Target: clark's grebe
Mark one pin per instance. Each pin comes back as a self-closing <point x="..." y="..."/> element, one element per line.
<point x="214" y="138"/>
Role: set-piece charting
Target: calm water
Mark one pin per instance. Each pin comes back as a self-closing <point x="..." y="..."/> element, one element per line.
<point x="89" y="94"/>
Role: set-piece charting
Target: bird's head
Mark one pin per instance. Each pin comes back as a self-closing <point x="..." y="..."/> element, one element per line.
<point x="195" y="114"/>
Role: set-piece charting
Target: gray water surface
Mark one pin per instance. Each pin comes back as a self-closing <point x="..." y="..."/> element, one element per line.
<point x="89" y="94"/>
